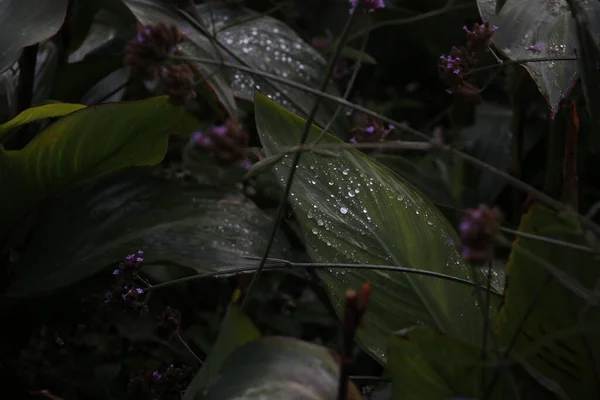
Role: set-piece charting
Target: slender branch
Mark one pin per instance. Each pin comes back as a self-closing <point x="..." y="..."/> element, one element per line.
<point x="521" y="61"/>
<point x="417" y="18"/>
<point x="189" y="349"/>
<point x="357" y="66"/>
<point x="296" y="160"/>
<point x="266" y="13"/>
<point x="283" y="264"/>
<point x="549" y="240"/>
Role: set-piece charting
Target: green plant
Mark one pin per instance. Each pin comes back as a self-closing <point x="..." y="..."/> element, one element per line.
<point x="190" y="209"/>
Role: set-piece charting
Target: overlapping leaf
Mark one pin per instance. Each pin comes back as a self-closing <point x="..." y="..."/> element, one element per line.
<point x="199" y="227"/>
<point x="151" y="12"/>
<point x="269" y="45"/>
<point x="426" y="364"/>
<point x="549" y="25"/>
<point x="35" y="113"/>
<point x="83" y="145"/>
<point x="236" y="330"/>
<point x="556" y="328"/>
<point x="351" y="209"/>
<point x="27" y="22"/>
<point x="278" y="368"/>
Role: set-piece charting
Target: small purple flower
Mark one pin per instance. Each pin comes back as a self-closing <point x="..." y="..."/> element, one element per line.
<point x="156" y="375"/>
<point x="220" y="130"/>
<point x="116" y="272"/>
<point x="535" y="48"/>
<point x="368" y="5"/>
<point x="370" y="129"/>
<point x="202" y="140"/>
<point x="139" y="260"/>
<point x="139" y="290"/>
<point x="140" y="38"/>
<point x="140" y="252"/>
<point x="246" y="164"/>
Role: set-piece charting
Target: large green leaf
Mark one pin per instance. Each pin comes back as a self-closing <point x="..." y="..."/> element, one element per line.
<point x="151" y="12"/>
<point x="549" y="341"/>
<point x="35" y="113"/>
<point x="27" y="22"/>
<point x="278" y="368"/>
<point x="352" y="209"/>
<point x="544" y="23"/>
<point x="426" y="364"/>
<point x="201" y="227"/>
<point x="237" y="329"/>
<point x="269" y="45"/>
<point x="83" y="145"/>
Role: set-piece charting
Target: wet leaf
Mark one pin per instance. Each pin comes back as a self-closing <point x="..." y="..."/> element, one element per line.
<point x="559" y="338"/>
<point x="548" y="24"/>
<point x="35" y="113"/>
<point x="27" y="22"/>
<point x="200" y="227"/>
<point x="151" y="12"/>
<point x="86" y="144"/>
<point x="489" y="139"/>
<point x="426" y="364"/>
<point x="278" y="368"/>
<point x="269" y="45"/>
<point x="352" y="209"/>
<point x="236" y="330"/>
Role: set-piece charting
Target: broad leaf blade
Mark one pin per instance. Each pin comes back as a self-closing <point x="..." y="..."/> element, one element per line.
<point x="548" y="24"/>
<point x="83" y="145"/>
<point x="426" y="364"/>
<point x="551" y="340"/>
<point x="200" y="227"/>
<point x="151" y="12"/>
<point x="237" y="329"/>
<point x="269" y="45"/>
<point x="278" y="368"/>
<point x="354" y="210"/>
<point x="27" y="22"/>
<point x="35" y="113"/>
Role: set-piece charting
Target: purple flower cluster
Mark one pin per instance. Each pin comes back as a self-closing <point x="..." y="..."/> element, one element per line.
<point x="477" y="230"/>
<point x="167" y="384"/>
<point x="228" y="143"/>
<point x="367" y="5"/>
<point x="125" y="290"/>
<point x="372" y="131"/>
<point x="149" y="51"/>
<point x="454" y="68"/>
<point x="535" y="48"/>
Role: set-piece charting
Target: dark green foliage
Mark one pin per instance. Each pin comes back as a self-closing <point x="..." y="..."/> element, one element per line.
<point x="144" y="149"/>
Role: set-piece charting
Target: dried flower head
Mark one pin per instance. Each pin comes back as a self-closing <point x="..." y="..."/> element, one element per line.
<point x="372" y="131"/>
<point x="125" y="290"/>
<point x="478" y="229"/>
<point x="169" y="323"/>
<point x="147" y="53"/>
<point x="453" y="69"/>
<point x="341" y="70"/>
<point x="167" y="384"/>
<point x="178" y="82"/>
<point x="228" y="143"/>
<point x="366" y="5"/>
<point x="479" y="38"/>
